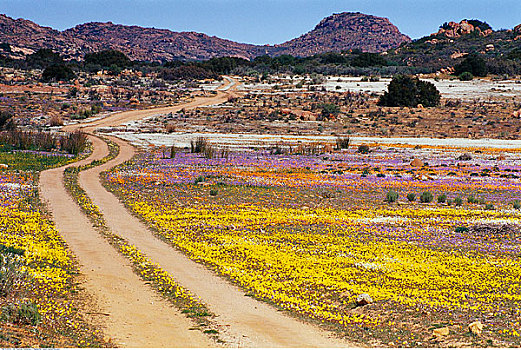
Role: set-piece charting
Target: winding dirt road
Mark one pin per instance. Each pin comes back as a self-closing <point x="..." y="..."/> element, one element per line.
<point x="137" y="317"/>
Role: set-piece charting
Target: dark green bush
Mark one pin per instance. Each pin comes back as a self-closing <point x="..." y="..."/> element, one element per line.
<point x="426" y="197"/>
<point x="466" y="76"/>
<point x="58" y="72"/>
<point x="392" y="196"/>
<point x="364" y="149"/>
<point x="411" y="197"/>
<point x="406" y="91"/>
<point x="442" y="198"/>
<point x="458" y="201"/>
<point x="473" y="63"/>
<point x="213" y="192"/>
<point x="516" y="204"/>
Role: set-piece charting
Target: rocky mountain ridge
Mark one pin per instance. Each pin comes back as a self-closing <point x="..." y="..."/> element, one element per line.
<point x="344" y="31"/>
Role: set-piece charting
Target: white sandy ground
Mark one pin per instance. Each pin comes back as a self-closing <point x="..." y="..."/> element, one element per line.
<point x="465" y="90"/>
<point x="242" y="141"/>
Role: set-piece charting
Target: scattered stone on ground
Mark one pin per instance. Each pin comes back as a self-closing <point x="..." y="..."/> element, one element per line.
<point x="465" y="156"/>
<point x="476" y="327"/>
<point x="441" y="332"/>
<point x="364" y="299"/>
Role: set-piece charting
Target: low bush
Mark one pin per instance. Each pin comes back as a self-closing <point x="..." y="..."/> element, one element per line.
<point x="442" y="198"/>
<point x="489" y="206"/>
<point x="342" y="142"/>
<point x="516" y="204"/>
<point x="364" y="149"/>
<point x="56" y="120"/>
<point x="392" y="196"/>
<point x="12" y="275"/>
<point x="458" y="201"/>
<point x="74" y="143"/>
<point x="426" y="197"/>
<point x="25" y="312"/>
<point x="411" y="197"/>
<point x="466" y="76"/>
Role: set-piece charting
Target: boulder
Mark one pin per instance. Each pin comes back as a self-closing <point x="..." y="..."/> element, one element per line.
<point x="417" y="163"/>
<point x="465" y="156"/>
<point x="441" y="332"/>
<point x="476" y="328"/>
<point x="364" y="299"/>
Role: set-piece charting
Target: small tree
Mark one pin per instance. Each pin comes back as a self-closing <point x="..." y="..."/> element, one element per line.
<point x="58" y="72"/>
<point x="406" y="91"/>
<point x="473" y="63"/>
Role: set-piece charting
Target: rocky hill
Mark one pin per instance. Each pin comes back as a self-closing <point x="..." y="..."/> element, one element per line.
<point x="453" y="41"/>
<point x="345" y="31"/>
<point x="335" y="33"/>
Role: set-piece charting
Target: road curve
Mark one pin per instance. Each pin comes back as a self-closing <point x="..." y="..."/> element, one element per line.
<point x="243" y="321"/>
<point x="135" y="316"/>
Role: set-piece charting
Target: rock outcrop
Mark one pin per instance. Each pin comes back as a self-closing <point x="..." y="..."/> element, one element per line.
<point x="347" y="31"/>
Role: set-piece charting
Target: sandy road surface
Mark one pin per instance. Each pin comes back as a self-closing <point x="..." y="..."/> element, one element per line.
<point x="132" y="314"/>
<point x="243" y="321"/>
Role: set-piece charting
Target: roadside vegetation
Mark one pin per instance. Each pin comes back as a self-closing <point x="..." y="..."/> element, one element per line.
<point x="311" y="238"/>
<point x="39" y="294"/>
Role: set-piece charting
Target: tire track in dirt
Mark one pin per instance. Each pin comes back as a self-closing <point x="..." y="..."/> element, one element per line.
<point x="135" y="315"/>
<point x="243" y="321"/>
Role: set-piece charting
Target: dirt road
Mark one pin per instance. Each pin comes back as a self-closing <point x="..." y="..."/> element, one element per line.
<point x="242" y="320"/>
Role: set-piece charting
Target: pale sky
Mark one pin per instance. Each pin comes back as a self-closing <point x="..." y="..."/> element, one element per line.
<point x="260" y="22"/>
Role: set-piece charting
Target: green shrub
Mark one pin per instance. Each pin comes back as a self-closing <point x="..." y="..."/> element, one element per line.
<point x="58" y="72"/>
<point x="426" y="197"/>
<point x="406" y="91"/>
<point x="473" y="63"/>
<point x="392" y="196"/>
<point x="213" y="192"/>
<point x="466" y="76"/>
<point x="461" y="229"/>
<point x="449" y="202"/>
<point x="442" y="198"/>
<point x="489" y="206"/>
<point x="364" y="149"/>
<point x="411" y="197"/>
<point x="471" y="200"/>
<point x="516" y="204"/>
<point x="25" y="312"/>
<point x="12" y="274"/>
<point x="458" y="201"/>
